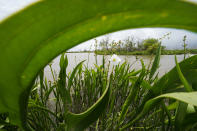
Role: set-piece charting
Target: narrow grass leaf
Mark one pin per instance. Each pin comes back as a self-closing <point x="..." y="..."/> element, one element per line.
<point x="156" y="62"/>
<point x="188" y="88"/>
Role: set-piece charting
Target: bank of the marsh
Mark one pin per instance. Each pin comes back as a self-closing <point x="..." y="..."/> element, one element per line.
<point x="144" y="52"/>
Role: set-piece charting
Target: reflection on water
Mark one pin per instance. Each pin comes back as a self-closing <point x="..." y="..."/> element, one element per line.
<point x="166" y="62"/>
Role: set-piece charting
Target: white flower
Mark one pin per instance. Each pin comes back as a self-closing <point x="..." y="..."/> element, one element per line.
<point x="190" y="55"/>
<point x="114" y="59"/>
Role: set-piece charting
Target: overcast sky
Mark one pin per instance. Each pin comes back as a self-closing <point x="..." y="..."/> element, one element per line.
<point x="8" y="7"/>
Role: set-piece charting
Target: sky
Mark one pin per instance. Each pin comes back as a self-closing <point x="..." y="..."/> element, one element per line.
<point x="175" y="40"/>
<point x="8" y="7"/>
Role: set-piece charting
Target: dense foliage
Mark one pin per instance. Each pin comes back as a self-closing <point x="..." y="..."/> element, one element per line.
<point x="51" y="101"/>
<point x="34" y="36"/>
<point x="149" y="46"/>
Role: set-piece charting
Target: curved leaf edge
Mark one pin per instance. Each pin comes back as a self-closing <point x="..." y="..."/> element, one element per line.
<point x="76" y="122"/>
<point x="186" y="97"/>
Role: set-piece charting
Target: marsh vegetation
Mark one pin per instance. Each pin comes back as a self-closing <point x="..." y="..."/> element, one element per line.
<point x="51" y="101"/>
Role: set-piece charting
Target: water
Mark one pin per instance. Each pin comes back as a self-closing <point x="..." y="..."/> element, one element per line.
<point x="166" y="62"/>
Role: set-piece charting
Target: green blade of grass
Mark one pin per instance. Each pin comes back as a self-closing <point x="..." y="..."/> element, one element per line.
<point x="70" y="80"/>
<point x="63" y="91"/>
<point x="188" y="88"/>
<point x="182" y="107"/>
<point x="155" y="65"/>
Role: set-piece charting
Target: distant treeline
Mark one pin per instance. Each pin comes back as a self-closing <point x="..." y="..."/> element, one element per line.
<point x="131" y="47"/>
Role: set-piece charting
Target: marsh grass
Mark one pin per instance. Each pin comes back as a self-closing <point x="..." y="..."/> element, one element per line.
<point x="133" y="102"/>
<point x="79" y="89"/>
<point x="82" y="87"/>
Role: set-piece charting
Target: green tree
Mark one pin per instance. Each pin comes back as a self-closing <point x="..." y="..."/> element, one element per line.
<point x="151" y="45"/>
<point x="147" y="43"/>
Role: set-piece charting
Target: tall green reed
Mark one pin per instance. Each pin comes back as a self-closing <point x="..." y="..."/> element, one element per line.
<point x="137" y="98"/>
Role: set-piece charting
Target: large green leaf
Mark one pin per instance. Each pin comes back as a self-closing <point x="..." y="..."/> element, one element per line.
<point x="189" y="98"/>
<point x="33" y="37"/>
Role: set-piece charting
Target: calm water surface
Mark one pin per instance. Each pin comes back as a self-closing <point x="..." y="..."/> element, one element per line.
<point x="166" y="62"/>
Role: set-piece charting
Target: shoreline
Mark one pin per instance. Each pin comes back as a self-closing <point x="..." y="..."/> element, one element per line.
<point x="164" y="52"/>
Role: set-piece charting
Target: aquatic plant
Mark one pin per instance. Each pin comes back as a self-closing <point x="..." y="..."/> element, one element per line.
<point x="115" y="59"/>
